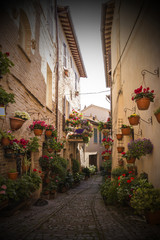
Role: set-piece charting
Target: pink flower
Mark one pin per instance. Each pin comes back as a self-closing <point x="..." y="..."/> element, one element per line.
<point x="7" y="53"/>
<point x="4" y="186"/>
<point x="51" y="157"/>
<point x="2" y="192"/>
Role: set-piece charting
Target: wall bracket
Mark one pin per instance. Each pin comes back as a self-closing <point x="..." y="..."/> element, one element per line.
<point x="156" y="72"/>
<point x="149" y="120"/>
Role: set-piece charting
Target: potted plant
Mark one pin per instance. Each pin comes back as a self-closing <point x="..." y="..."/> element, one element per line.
<point x="134" y="119"/>
<point x="26" y="162"/>
<point x="119" y="136"/>
<point x="143" y="97"/>
<point x="19" y="118"/>
<point x="129" y="156"/>
<point x="140" y="147"/>
<point x="5" y="97"/>
<point x="86" y="172"/>
<point x="5" y="137"/>
<point x="5" y="63"/>
<point x="37" y="126"/>
<point x="13" y="174"/>
<point x="146" y="201"/>
<point x="157" y="114"/>
<point x="107" y="142"/>
<point x="120" y="149"/>
<point x="50" y="131"/>
<point x="106" y="154"/>
<point x="33" y="144"/>
<point x="126" y="129"/>
<point x="105" y="132"/>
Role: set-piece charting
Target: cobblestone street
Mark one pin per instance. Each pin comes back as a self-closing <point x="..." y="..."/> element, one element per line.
<point x="77" y="214"/>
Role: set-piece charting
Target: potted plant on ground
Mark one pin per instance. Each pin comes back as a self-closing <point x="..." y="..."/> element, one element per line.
<point x="146" y="201"/>
<point x="157" y="114"/>
<point x="143" y="97"/>
<point x="5" y="137"/>
<point x="126" y="129"/>
<point x="38" y="126"/>
<point x="19" y="118"/>
<point x="13" y="174"/>
<point x="5" y="97"/>
<point x="134" y="119"/>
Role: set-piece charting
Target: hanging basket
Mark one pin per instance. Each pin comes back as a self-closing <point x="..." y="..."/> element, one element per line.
<point x="16" y="123"/>
<point x="119" y="136"/>
<point x="134" y="120"/>
<point x="120" y="149"/>
<point x="158" y="117"/>
<point x="38" y="132"/>
<point x="126" y="131"/>
<point x="131" y="160"/>
<point x="143" y="103"/>
<point x="106" y="146"/>
<point x="106" y="157"/>
<point x="50" y="150"/>
<point x="5" y="141"/>
<point x="48" y="133"/>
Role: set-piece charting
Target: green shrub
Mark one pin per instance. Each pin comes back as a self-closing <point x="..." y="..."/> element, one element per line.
<point x="75" y="166"/>
<point x="116" y="172"/>
<point x="109" y="192"/>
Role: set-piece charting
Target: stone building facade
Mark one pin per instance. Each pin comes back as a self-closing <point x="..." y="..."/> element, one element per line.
<point x="41" y="48"/>
<point x="130" y="37"/>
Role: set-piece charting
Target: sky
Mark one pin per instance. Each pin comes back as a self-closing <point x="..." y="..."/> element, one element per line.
<point x="86" y="18"/>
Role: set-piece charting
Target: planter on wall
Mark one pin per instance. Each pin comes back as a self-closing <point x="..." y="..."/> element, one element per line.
<point x="134" y="120"/>
<point x="158" y="117"/>
<point x="119" y="136"/>
<point x="16" y="123"/>
<point x="38" y="132"/>
<point x="143" y="103"/>
<point x="48" y="133"/>
<point x="5" y="141"/>
<point x="126" y="131"/>
<point x="106" y="146"/>
<point x="131" y="160"/>
<point x="120" y="149"/>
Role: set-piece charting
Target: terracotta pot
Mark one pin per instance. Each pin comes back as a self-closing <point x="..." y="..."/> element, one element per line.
<point x="48" y="133"/>
<point x="106" y="157"/>
<point x="13" y="176"/>
<point x="50" y="150"/>
<point x="5" y="141"/>
<point x="158" y="117"/>
<point x="105" y="126"/>
<point x="106" y="146"/>
<point x="126" y="131"/>
<point x="131" y="160"/>
<point x="71" y="115"/>
<point x="38" y="132"/>
<point x="143" y="103"/>
<point x="105" y="133"/>
<point x="120" y="149"/>
<point x="16" y="123"/>
<point x="153" y="217"/>
<point x="119" y="136"/>
<point x="134" y="120"/>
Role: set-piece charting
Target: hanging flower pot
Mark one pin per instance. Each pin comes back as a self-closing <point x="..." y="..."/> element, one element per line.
<point x="143" y="103"/>
<point x="126" y="131"/>
<point x="5" y="141"/>
<point x="106" y="146"/>
<point x="50" y="150"/>
<point x="38" y="132"/>
<point x="157" y="114"/>
<point x="131" y="160"/>
<point x="48" y="133"/>
<point x="134" y="119"/>
<point x="106" y="157"/>
<point x="120" y="149"/>
<point x="119" y="136"/>
<point x="16" y="123"/>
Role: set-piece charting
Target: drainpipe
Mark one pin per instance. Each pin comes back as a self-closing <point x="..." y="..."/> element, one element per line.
<point x="57" y="66"/>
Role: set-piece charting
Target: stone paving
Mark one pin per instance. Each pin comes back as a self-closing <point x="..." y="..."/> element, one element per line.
<point x="78" y="214"/>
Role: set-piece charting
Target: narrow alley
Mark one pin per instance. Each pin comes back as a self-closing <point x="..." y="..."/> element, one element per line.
<point x="79" y="213"/>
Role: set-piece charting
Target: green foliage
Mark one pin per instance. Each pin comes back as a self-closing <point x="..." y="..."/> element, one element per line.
<point x="86" y="171"/>
<point x="33" y="144"/>
<point x="75" y="166"/>
<point x="157" y="111"/>
<point x="109" y="192"/>
<point x="5" y="63"/>
<point x="92" y="169"/>
<point x="6" y="134"/>
<point x="5" y="97"/>
<point x="145" y="198"/>
<point x="116" y="172"/>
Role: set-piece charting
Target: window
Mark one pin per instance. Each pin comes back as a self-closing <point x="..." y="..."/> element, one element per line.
<point x="64" y="55"/>
<point x="100" y="137"/>
<point x="49" y="88"/>
<point x="24" y="33"/>
<point x="95" y="135"/>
